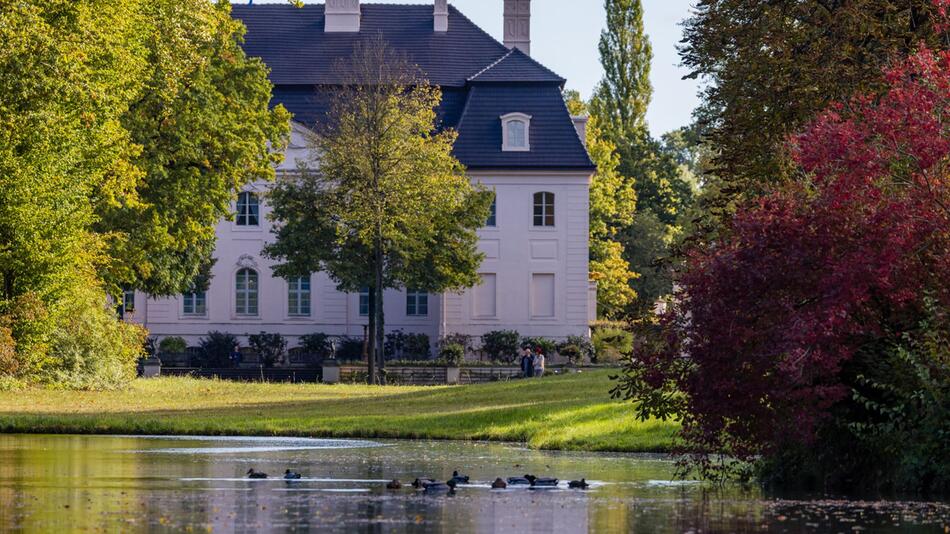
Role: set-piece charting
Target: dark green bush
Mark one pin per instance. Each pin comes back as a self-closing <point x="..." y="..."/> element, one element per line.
<point x="611" y="345"/>
<point x="317" y="345"/>
<point x="501" y="344"/>
<point x="548" y="346"/>
<point x="576" y="349"/>
<point x="216" y="350"/>
<point x="270" y="347"/>
<point x="402" y="346"/>
<point x="452" y="353"/>
<point x="172" y="345"/>
<point x="349" y="348"/>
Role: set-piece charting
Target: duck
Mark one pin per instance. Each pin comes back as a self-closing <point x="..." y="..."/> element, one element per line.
<point x="290" y="475"/>
<point x="459" y="479"/>
<point x="251" y="473"/>
<point x="421" y="483"/>
<point x="544" y="482"/>
<point x="578" y="484"/>
<point x="394" y="484"/>
<point x="519" y="481"/>
<point x="499" y="484"/>
<point x="438" y="488"/>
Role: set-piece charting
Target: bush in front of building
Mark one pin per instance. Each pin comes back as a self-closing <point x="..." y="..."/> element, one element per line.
<point x="172" y="345"/>
<point x="501" y="344"/>
<point x="269" y="347"/>
<point x="576" y="349"/>
<point x="349" y="348"/>
<point x="317" y="345"/>
<point x="548" y="346"/>
<point x="402" y="346"/>
<point x="216" y="350"/>
<point x="466" y="341"/>
<point x="452" y="353"/>
<point x="611" y="345"/>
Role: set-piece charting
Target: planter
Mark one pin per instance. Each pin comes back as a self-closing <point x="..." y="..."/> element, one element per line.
<point x="331" y="372"/>
<point x="453" y="375"/>
<point x="151" y="367"/>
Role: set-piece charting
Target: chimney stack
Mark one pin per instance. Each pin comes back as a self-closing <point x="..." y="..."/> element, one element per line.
<point x="580" y="124"/>
<point x="342" y="16"/>
<point x="518" y="25"/>
<point x="441" y="16"/>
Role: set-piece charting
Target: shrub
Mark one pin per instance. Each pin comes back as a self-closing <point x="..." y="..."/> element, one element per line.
<point x="452" y="353"/>
<point x="403" y="346"/>
<point x="611" y="345"/>
<point x="270" y="347"/>
<point x="577" y="349"/>
<point x="349" y="348"/>
<point x="8" y="360"/>
<point x="216" y="349"/>
<point x="172" y="345"/>
<point x="151" y="346"/>
<point x="316" y="344"/>
<point x="464" y="340"/>
<point x="501" y="344"/>
<point x="548" y="347"/>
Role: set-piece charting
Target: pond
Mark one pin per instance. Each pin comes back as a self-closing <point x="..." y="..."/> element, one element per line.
<point x="139" y="484"/>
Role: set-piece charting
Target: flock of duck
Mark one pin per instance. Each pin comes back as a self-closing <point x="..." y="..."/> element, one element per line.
<point x="434" y="487"/>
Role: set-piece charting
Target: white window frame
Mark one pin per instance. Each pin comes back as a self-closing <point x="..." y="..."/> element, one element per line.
<point x="415" y="298"/>
<point x="242" y="297"/>
<point x="193" y="297"/>
<point x="506" y="120"/>
<point x="245" y="214"/>
<point x="296" y="294"/>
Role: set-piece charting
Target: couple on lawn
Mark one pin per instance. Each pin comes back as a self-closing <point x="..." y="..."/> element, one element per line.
<point x="532" y="362"/>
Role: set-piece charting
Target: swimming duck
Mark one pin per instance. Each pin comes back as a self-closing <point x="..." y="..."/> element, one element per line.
<point x="578" y="484"/>
<point x="421" y="483"/>
<point x="394" y="484"/>
<point x="459" y="479"/>
<point x="438" y="488"/>
<point x="251" y="473"/>
<point x="544" y="482"/>
<point x="499" y="484"/>
<point x="290" y="475"/>
<point x="519" y="481"/>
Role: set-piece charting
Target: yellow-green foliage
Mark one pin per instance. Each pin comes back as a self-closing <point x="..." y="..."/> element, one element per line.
<point x="563" y="412"/>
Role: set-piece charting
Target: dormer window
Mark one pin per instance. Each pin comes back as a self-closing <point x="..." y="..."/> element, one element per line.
<point x="515" y="131"/>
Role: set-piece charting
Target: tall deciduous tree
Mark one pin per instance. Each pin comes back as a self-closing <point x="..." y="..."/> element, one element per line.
<point x="390" y="206"/>
<point x="205" y="130"/>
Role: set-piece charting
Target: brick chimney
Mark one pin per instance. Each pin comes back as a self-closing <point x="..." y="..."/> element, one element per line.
<point x="342" y="16"/>
<point x="518" y="25"/>
<point x="441" y="16"/>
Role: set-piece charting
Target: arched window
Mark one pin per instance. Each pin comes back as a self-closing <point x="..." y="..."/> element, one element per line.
<point x="245" y="286"/>
<point x="544" y="209"/>
<point x="248" y="209"/>
<point x="298" y="296"/>
<point x="516" y="132"/>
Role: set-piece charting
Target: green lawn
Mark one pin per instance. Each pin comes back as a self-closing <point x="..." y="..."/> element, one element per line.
<point x="571" y="412"/>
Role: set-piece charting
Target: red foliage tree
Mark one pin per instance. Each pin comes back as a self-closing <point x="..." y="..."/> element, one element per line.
<point x="756" y="351"/>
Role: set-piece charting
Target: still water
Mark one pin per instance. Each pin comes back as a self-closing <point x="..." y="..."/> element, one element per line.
<point x="172" y="484"/>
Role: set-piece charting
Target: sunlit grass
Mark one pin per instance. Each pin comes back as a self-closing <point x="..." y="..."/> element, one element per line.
<point x="565" y="412"/>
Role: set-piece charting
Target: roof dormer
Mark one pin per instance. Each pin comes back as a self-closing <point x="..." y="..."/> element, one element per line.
<point x="516" y="132"/>
<point x="342" y="16"/>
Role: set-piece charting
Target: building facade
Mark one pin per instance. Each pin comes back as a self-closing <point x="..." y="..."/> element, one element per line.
<point x="515" y="136"/>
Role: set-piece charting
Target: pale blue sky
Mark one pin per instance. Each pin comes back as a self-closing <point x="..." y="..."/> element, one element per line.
<point x="564" y="36"/>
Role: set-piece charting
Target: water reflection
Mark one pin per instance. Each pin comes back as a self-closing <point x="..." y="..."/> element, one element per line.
<point x="139" y="484"/>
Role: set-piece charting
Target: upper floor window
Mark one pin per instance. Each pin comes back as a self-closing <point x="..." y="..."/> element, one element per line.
<point x="248" y="209"/>
<point x="128" y="303"/>
<point x="194" y="303"/>
<point x="364" y="301"/>
<point x="417" y="304"/>
<point x="493" y="214"/>
<point x="516" y="132"/>
<point x="544" y="209"/>
<point x="298" y="296"/>
<point x="245" y="285"/>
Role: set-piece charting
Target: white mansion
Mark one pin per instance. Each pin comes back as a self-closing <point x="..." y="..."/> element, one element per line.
<point x="515" y="135"/>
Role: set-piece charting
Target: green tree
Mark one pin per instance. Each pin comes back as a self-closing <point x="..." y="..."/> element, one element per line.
<point x="771" y="66"/>
<point x="390" y="206"/>
<point x="613" y="203"/>
<point x="205" y="130"/>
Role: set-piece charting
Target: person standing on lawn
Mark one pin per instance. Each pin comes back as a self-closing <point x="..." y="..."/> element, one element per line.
<point x="527" y="363"/>
<point x="539" y="363"/>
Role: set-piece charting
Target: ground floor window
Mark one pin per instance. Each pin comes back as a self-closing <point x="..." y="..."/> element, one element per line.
<point x="298" y="296"/>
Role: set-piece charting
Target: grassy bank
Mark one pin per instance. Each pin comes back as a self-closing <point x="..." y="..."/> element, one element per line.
<point x="568" y="412"/>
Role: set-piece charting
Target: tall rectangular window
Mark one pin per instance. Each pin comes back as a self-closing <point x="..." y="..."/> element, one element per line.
<point x="298" y="296"/>
<point x="544" y="209"/>
<point x="364" y="301"/>
<point x="417" y="304"/>
<point x="493" y="215"/>
<point x="248" y="210"/>
<point x="245" y="285"/>
<point x="485" y="295"/>
<point x="542" y="295"/>
<point x="128" y="301"/>
<point x="194" y="303"/>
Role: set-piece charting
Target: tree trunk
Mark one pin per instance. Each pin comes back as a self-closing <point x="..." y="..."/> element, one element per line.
<point x="381" y="318"/>
<point x="369" y="343"/>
